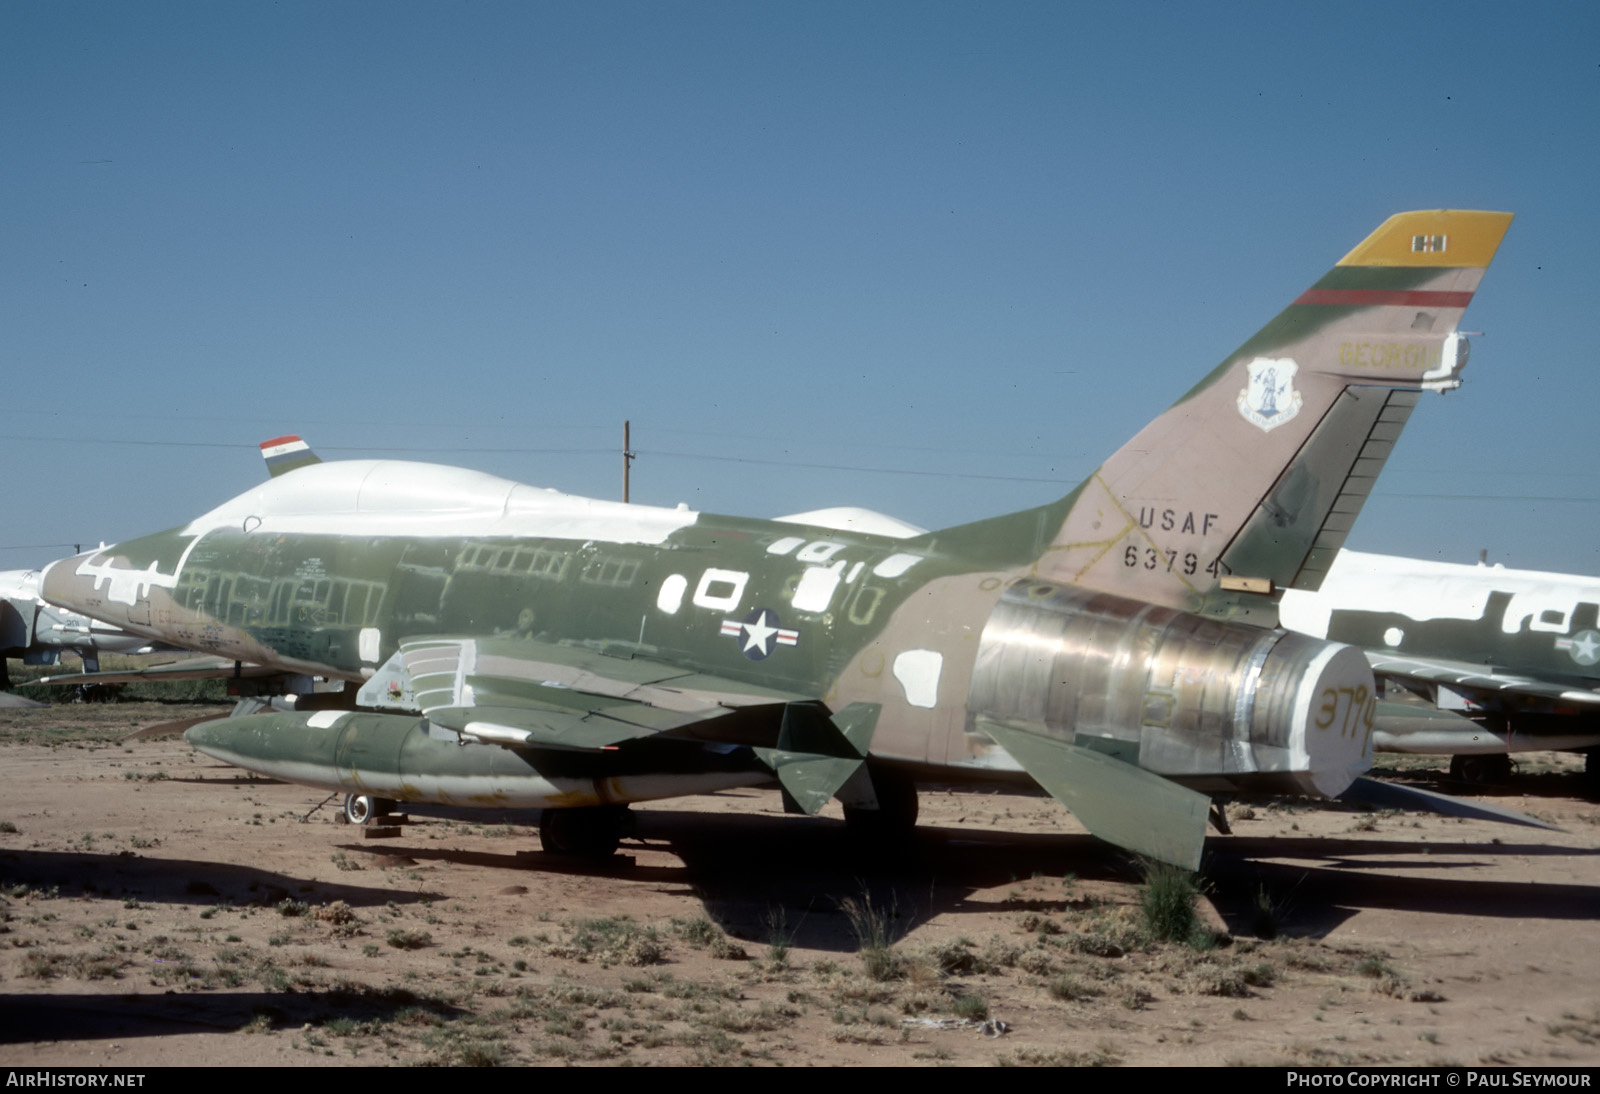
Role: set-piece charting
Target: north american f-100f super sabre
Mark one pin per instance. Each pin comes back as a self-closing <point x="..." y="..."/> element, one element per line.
<point x="516" y="646"/>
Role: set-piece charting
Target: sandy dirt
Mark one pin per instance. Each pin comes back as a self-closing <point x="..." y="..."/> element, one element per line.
<point x="162" y="908"/>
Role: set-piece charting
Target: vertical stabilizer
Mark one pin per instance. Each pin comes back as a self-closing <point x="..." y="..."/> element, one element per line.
<point x="1249" y="482"/>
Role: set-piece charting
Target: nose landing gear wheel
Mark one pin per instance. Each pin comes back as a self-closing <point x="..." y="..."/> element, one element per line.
<point x="365" y="809"/>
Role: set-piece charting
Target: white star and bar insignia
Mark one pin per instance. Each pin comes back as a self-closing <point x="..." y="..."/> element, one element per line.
<point x="759" y="633"/>
<point x="1583" y="647"/>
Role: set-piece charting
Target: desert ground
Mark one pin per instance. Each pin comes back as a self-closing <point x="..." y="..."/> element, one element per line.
<point x="161" y="908"/>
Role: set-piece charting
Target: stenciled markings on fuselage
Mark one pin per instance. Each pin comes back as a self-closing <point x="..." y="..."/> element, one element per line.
<point x="1161" y="556"/>
<point x="1352" y="710"/>
<point x="294" y="594"/>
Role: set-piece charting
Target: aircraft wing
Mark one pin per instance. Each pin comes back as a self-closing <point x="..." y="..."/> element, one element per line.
<point x="1465" y="677"/>
<point x="529" y="693"/>
<point x="193" y="668"/>
<point x="523" y="693"/>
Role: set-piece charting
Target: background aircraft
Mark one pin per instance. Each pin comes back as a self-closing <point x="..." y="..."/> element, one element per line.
<point x="520" y="647"/>
<point x="1475" y="661"/>
<point x="39" y="632"/>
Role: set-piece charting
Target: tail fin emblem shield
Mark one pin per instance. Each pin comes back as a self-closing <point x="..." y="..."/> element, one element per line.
<point x="1269" y="398"/>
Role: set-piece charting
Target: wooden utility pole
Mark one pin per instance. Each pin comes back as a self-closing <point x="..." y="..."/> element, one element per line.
<point x="627" y="460"/>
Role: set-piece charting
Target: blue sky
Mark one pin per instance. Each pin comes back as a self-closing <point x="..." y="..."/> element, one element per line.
<point x="938" y="259"/>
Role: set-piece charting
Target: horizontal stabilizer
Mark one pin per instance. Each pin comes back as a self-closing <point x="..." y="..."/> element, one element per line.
<point x="1120" y="803"/>
<point x="1382" y="795"/>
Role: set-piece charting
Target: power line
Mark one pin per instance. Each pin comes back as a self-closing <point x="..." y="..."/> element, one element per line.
<point x="849" y="467"/>
<point x="753" y="460"/>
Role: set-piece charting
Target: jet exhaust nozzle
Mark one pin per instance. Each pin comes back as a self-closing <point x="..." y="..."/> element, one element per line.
<point x="1217" y="706"/>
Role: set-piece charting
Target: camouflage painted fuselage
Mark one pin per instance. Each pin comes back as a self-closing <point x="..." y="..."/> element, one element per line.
<point x="305" y="574"/>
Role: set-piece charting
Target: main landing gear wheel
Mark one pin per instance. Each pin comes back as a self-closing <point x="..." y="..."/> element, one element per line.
<point x="1490" y="769"/>
<point x="896" y="814"/>
<point x="590" y="831"/>
<point x="365" y="809"/>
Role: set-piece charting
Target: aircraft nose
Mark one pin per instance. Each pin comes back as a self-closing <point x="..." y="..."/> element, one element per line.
<point x="59" y="583"/>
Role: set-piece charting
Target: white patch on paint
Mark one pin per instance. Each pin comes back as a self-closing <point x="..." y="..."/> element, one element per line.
<point x="918" y="672"/>
<point x="440" y="671"/>
<point x="325" y="719"/>
<point x="785" y="545"/>
<point x="129" y="586"/>
<point x="1393" y="636"/>
<point x="895" y="565"/>
<point x="1424" y="591"/>
<point x="670" y="598"/>
<point x="849" y="518"/>
<point x="369" y="642"/>
<point x="817" y="586"/>
<point x="398" y="497"/>
<point x="820" y="551"/>
<point x="705" y="596"/>
<point x="855" y="571"/>
<point x="125" y="586"/>
<point x="1538" y="622"/>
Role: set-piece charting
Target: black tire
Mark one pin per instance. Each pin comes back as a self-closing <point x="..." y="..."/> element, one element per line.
<point x="591" y="831"/>
<point x="1488" y="769"/>
<point x="896" y="815"/>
